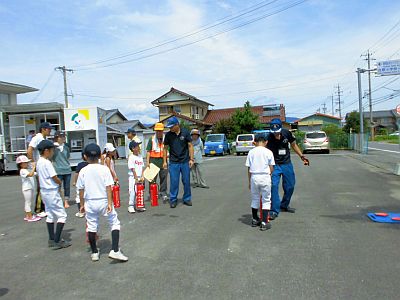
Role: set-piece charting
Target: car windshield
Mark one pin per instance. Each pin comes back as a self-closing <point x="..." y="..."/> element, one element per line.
<point x="315" y="135"/>
<point x="214" y="138"/>
<point x="242" y="138"/>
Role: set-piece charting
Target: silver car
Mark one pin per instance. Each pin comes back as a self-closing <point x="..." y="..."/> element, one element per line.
<point x="316" y="141"/>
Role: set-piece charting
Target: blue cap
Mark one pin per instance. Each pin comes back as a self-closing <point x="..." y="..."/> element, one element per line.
<point x="45" y="144"/>
<point x="276" y="125"/>
<point x="134" y="144"/>
<point x="45" y="125"/>
<point x="92" y="150"/>
<point x="172" y="122"/>
<point x="131" y="130"/>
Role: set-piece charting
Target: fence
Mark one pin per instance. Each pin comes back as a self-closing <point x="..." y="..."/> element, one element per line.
<point x="354" y="142"/>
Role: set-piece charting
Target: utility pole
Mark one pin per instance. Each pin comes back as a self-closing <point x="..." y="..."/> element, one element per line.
<point x="371" y="120"/>
<point x="339" y="93"/>
<point x="324" y="109"/>
<point x="360" y="108"/>
<point x="64" y="71"/>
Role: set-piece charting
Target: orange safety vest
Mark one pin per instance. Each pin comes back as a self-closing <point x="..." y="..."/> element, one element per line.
<point x="157" y="149"/>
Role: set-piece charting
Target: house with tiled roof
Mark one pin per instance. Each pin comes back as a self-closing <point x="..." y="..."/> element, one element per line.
<point x="265" y="113"/>
<point x="316" y="121"/>
<point x="184" y="104"/>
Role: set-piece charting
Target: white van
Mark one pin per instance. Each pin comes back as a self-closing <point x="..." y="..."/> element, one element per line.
<point x="244" y="143"/>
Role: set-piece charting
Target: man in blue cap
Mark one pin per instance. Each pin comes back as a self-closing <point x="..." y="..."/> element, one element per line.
<point x="181" y="159"/>
<point x="278" y="142"/>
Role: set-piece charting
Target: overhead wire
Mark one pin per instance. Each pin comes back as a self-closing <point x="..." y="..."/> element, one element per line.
<point x="291" y="5"/>
<point x="44" y="86"/>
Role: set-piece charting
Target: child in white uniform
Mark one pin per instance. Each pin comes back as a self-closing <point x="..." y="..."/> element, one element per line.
<point x="260" y="163"/>
<point x="28" y="186"/>
<point x="50" y="193"/>
<point x="94" y="184"/>
<point x="78" y="168"/>
<point x="135" y="166"/>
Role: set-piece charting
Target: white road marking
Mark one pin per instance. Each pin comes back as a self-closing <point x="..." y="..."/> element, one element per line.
<point x="391" y="151"/>
<point x="214" y="158"/>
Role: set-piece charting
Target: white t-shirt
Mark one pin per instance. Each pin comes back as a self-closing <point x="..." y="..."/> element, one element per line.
<point x="94" y="179"/>
<point x="136" y="163"/>
<point x="46" y="172"/>
<point x="34" y="142"/>
<point x="259" y="159"/>
<point x="28" y="183"/>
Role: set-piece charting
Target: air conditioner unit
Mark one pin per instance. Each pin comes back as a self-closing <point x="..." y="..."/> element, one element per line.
<point x="196" y="116"/>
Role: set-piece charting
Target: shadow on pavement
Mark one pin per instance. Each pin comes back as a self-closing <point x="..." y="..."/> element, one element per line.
<point x="246" y="219"/>
<point x="66" y="234"/>
<point x="3" y="291"/>
<point x="361" y="216"/>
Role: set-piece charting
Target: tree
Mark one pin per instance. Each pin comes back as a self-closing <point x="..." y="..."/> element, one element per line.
<point x="353" y="123"/>
<point x="242" y="121"/>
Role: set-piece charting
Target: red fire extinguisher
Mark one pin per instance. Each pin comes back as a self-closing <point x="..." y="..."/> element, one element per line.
<point x="154" y="194"/>
<point x="115" y="194"/>
<point x="139" y="195"/>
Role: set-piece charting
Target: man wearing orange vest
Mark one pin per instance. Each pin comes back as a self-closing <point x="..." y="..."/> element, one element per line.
<point x="155" y="149"/>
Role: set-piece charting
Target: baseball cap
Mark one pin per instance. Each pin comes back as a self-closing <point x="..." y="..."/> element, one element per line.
<point x="134" y="144"/>
<point x="172" y="122"/>
<point x="195" y="131"/>
<point x="131" y="130"/>
<point x="159" y="127"/>
<point x="45" y="125"/>
<point x="276" y="125"/>
<point x="45" y="144"/>
<point x="59" y="133"/>
<point x="92" y="150"/>
<point x="22" y="159"/>
<point x="109" y="147"/>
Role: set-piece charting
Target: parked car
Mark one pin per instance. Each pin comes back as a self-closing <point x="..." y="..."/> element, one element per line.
<point x="216" y="144"/>
<point x="244" y="143"/>
<point x="396" y="133"/>
<point x="316" y="141"/>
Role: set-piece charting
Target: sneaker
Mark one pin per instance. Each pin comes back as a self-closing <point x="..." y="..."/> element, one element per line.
<point x="188" y="203"/>
<point x="265" y="226"/>
<point x="141" y="209"/>
<point x="79" y="214"/>
<point x="95" y="256"/>
<point x="34" y="218"/>
<point x="61" y="244"/>
<point x="288" y="209"/>
<point x="42" y="214"/>
<point x="272" y="216"/>
<point x="165" y="199"/>
<point x="131" y="209"/>
<point x="255" y="223"/>
<point x="51" y="243"/>
<point x="173" y="204"/>
<point x="117" y="255"/>
<point x="204" y="186"/>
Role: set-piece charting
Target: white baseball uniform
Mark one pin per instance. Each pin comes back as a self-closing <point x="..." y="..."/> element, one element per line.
<point x="34" y="143"/>
<point x="136" y="163"/>
<point x="94" y="180"/>
<point x="28" y="188"/>
<point x="258" y="160"/>
<point x="49" y="190"/>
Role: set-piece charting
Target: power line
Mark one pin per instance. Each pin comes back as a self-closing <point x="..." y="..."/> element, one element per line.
<point x="221" y="21"/>
<point x="385" y="35"/>
<point x="199" y="40"/>
<point x="43" y="87"/>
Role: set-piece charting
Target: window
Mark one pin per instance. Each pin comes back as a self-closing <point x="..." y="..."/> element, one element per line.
<point x="4" y="99"/>
<point x="316" y="135"/>
<point x="245" y="138"/>
<point x="214" y="138"/>
<point x="176" y="108"/>
<point x="163" y="110"/>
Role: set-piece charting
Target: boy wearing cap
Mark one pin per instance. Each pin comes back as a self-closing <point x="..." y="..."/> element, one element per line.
<point x="278" y="142"/>
<point x="260" y="164"/>
<point x="33" y="154"/>
<point x="155" y="150"/>
<point x="135" y="166"/>
<point x="132" y="136"/>
<point x="94" y="184"/>
<point x="50" y="193"/>
<point x="181" y="158"/>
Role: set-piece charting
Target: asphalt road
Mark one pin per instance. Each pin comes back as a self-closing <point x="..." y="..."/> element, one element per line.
<point x="384" y="147"/>
<point x="328" y="249"/>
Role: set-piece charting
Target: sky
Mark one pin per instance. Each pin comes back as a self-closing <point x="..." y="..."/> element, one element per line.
<point x="126" y="53"/>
